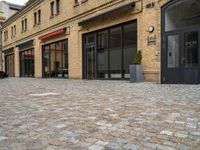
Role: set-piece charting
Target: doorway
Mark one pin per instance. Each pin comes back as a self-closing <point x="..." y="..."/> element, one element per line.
<point x="27" y="68"/>
<point x="90" y="61"/>
<point x="180" y="42"/>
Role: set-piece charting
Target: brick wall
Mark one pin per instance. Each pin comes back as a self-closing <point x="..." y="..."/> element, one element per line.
<point x="70" y="15"/>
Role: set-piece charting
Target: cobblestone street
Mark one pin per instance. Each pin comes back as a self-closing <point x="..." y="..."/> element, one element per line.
<point x="50" y="114"/>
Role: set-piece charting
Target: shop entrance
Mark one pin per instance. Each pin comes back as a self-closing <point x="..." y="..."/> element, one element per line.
<point x="10" y="64"/>
<point x="55" y="60"/>
<point x="27" y="63"/>
<point x="107" y="53"/>
<point x="181" y="38"/>
<point x="90" y="61"/>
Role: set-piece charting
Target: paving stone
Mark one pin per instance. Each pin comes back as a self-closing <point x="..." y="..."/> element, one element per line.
<point x="165" y="132"/>
<point x="183" y="147"/>
<point x="181" y="134"/>
<point x="131" y="146"/>
<point x="101" y="143"/>
<point x="151" y="145"/>
<point x="113" y="146"/>
<point x="96" y="147"/>
<point x="143" y="138"/>
<point x="163" y="147"/>
<point x="3" y="138"/>
<point x="60" y="126"/>
<point x="179" y="123"/>
<point x="169" y="143"/>
<point x="195" y="133"/>
<point x="115" y="115"/>
<point x="192" y="123"/>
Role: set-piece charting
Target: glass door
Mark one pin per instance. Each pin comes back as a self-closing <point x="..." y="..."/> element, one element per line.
<point x="90" y="62"/>
<point x="27" y="63"/>
<point x="190" y="57"/>
<point x="182" y="57"/>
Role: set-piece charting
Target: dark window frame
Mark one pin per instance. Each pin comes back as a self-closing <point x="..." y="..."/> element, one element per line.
<point x="96" y="32"/>
<point x="52" y="8"/>
<point x="57" y="6"/>
<point x="65" y="54"/>
<point x="29" y="67"/>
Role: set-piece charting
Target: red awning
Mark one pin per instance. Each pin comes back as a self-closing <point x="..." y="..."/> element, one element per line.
<point x="52" y="34"/>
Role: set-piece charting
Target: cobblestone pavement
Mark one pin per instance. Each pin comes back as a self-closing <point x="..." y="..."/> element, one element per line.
<point x="48" y="114"/>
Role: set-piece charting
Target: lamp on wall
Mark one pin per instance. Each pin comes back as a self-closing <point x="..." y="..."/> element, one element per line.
<point x="151" y="29"/>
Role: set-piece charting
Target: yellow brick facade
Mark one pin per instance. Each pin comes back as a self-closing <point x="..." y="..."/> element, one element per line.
<point x="69" y="17"/>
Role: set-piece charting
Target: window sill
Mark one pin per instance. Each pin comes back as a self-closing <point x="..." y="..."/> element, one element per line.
<point x="51" y="17"/>
<point x="83" y="1"/>
<point x="24" y="31"/>
<point x="76" y="4"/>
<point x="58" y="13"/>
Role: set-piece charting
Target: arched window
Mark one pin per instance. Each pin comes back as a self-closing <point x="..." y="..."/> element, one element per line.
<point x="184" y="13"/>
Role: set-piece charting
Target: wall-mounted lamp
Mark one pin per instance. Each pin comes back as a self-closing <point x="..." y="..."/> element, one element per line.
<point x="151" y="29"/>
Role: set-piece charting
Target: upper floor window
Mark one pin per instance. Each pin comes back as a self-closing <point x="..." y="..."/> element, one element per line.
<point x="52" y="8"/>
<point x="58" y="6"/>
<point x="24" y="25"/>
<point x="13" y="30"/>
<point x="6" y="35"/>
<point x="37" y="17"/>
<point x="76" y="2"/>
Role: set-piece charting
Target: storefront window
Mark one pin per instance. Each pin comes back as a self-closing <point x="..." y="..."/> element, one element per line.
<point x="129" y="47"/>
<point x="108" y="53"/>
<point x="10" y="65"/>
<point x="182" y="14"/>
<point x="116" y="52"/>
<point x="102" y="55"/>
<point x="27" y="63"/>
<point x="55" y="60"/>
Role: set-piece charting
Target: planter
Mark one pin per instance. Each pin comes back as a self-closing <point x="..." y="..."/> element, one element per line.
<point x="135" y="73"/>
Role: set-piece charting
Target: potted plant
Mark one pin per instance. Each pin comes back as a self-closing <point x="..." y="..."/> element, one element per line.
<point x="136" y="68"/>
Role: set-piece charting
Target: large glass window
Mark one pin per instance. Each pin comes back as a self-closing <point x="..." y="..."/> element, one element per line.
<point x="182" y="14"/>
<point x="55" y="60"/>
<point x="116" y="52"/>
<point x="129" y="47"/>
<point x="27" y="63"/>
<point x="10" y="65"/>
<point x="111" y="50"/>
<point x="102" y="55"/>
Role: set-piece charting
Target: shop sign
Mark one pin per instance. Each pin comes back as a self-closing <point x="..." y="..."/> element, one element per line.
<point x="151" y="40"/>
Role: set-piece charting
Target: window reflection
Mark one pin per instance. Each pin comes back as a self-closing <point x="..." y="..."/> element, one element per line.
<point x="55" y="60"/>
<point x="27" y="63"/>
<point x="112" y="53"/>
<point x="177" y="17"/>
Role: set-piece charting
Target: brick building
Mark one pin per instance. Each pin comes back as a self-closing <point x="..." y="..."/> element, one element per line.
<point x="98" y="39"/>
<point x="6" y="11"/>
